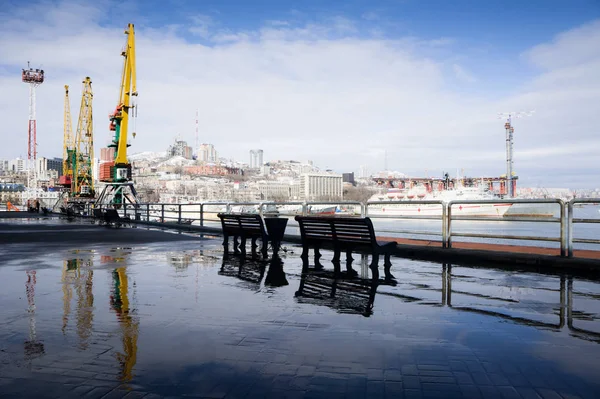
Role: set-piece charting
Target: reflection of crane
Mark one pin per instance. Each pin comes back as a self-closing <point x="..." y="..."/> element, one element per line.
<point x="129" y="322"/>
<point x="33" y="348"/>
<point x="82" y="281"/>
<point x="68" y="144"/>
<point x="83" y="180"/>
<point x="509" y="146"/>
<point x="118" y="173"/>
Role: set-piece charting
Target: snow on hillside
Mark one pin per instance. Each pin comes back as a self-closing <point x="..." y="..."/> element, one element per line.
<point x="177" y="161"/>
<point x="148" y="156"/>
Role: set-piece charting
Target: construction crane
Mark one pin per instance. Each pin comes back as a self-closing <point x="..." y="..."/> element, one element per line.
<point x="511" y="187"/>
<point x="83" y="180"/>
<point x="68" y="145"/>
<point x="117" y="174"/>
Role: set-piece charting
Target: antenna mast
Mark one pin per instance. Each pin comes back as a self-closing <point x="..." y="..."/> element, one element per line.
<point x="34" y="78"/>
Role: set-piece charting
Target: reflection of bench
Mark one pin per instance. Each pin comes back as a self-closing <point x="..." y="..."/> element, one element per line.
<point x="245" y="226"/>
<point x="344" y="234"/>
<point x="345" y="294"/>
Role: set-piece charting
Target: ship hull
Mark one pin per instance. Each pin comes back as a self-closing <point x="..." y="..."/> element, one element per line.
<point x="488" y="210"/>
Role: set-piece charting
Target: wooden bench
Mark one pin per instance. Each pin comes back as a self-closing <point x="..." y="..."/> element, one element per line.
<point x="243" y="226"/>
<point x="344" y="234"/>
<point x="111" y="217"/>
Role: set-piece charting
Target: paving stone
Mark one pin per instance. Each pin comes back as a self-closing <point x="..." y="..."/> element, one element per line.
<point x="547" y="393"/>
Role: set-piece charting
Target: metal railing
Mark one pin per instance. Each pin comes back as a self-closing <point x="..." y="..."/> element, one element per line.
<point x="544" y="219"/>
<point x="403" y="212"/>
<point x="572" y="220"/>
<point x="201" y="214"/>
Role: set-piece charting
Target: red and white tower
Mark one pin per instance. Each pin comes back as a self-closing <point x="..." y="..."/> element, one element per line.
<point x="33" y="77"/>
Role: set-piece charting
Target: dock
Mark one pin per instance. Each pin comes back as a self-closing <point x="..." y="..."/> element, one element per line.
<point x="157" y="310"/>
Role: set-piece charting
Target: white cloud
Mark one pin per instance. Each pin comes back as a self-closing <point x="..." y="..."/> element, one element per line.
<point x="462" y="74"/>
<point x="315" y="91"/>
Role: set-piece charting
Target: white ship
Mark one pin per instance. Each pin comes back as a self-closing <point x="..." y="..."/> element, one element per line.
<point x="420" y="194"/>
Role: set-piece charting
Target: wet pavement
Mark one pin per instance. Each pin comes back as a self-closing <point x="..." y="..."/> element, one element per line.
<point x="145" y="313"/>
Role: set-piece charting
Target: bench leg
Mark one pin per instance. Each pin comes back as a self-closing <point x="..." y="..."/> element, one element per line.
<point x="265" y="246"/>
<point x="236" y="245"/>
<point x="374" y="266"/>
<point x="349" y="257"/>
<point x="318" y="255"/>
<point x="336" y="256"/>
<point x="225" y="244"/>
<point x="386" y="267"/>
<point x="243" y="246"/>
<point x="349" y="270"/>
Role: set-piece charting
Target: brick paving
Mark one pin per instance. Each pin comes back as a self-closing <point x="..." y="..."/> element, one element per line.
<point x="190" y="324"/>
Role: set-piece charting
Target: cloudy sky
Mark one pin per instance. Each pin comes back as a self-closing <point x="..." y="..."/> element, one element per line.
<point x="418" y="83"/>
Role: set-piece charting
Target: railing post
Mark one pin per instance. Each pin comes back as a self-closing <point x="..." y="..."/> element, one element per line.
<point x="148" y="212"/>
<point x="304" y="209"/>
<point x="260" y="209"/>
<point x="179" y="214"/>
<point x="124" y="209"/>
<point x="563" y="228"/>
<point x="444" y="224"/>
<point x="162" y="213"/>
<point x="363" y="210"/>
<point x="570" y="229"/>
<point x="449" y="225"/>
<point x="201" y="215"/>
<point x="228" y="208"/>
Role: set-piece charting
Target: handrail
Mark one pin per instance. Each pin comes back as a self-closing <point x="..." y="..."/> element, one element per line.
<point x="562" y="220"/>
<point x="442" y="216"/>
<point x="572" y="220"/>
<point x="178" y="213"/>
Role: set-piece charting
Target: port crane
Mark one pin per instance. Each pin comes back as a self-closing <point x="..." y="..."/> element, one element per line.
<point x="83" y="179"/>
<point x="119" y="187"/>
<point x="68" y="141"/>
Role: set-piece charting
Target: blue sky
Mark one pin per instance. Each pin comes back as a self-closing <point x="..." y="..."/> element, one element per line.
<point x="337" y="82"/>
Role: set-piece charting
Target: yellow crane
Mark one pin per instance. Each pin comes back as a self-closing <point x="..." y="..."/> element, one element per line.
<point x="68" y="156"/>
<point x="119" y="120"/>
<point x="83" y="179"/>
<point x="117" y="174"/>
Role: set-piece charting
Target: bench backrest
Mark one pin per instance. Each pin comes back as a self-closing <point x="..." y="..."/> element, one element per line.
<point x="354" y="231"/>
<point x="247" y="223"/>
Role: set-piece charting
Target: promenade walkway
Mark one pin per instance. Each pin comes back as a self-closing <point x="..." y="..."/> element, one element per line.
<point x="105" y="313"/>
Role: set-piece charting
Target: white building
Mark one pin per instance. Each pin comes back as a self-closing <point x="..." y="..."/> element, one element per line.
<point x="321" y="186"/>
<point x="274" y="190"/>
<point x="17" y="165"/>
<point x="207" y="153"/>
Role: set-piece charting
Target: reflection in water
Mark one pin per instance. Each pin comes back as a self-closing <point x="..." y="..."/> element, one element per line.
<point x="342" y="291"/>
<point x="513" y="309"/>
<point x="33" y="348"/>
<point x="78" y="274"/>
<point x="128" y="320"/>
<point x="276" y="275"/>
<point x="251" y="272"/>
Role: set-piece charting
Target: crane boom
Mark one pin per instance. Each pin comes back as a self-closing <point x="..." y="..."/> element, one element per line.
<point x="119" y="120"/>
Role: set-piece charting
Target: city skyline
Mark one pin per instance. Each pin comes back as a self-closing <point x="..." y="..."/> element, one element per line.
<point x="340" y="84"/>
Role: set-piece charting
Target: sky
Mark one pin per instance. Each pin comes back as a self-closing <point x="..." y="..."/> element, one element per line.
<point x="412" y="85"/>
